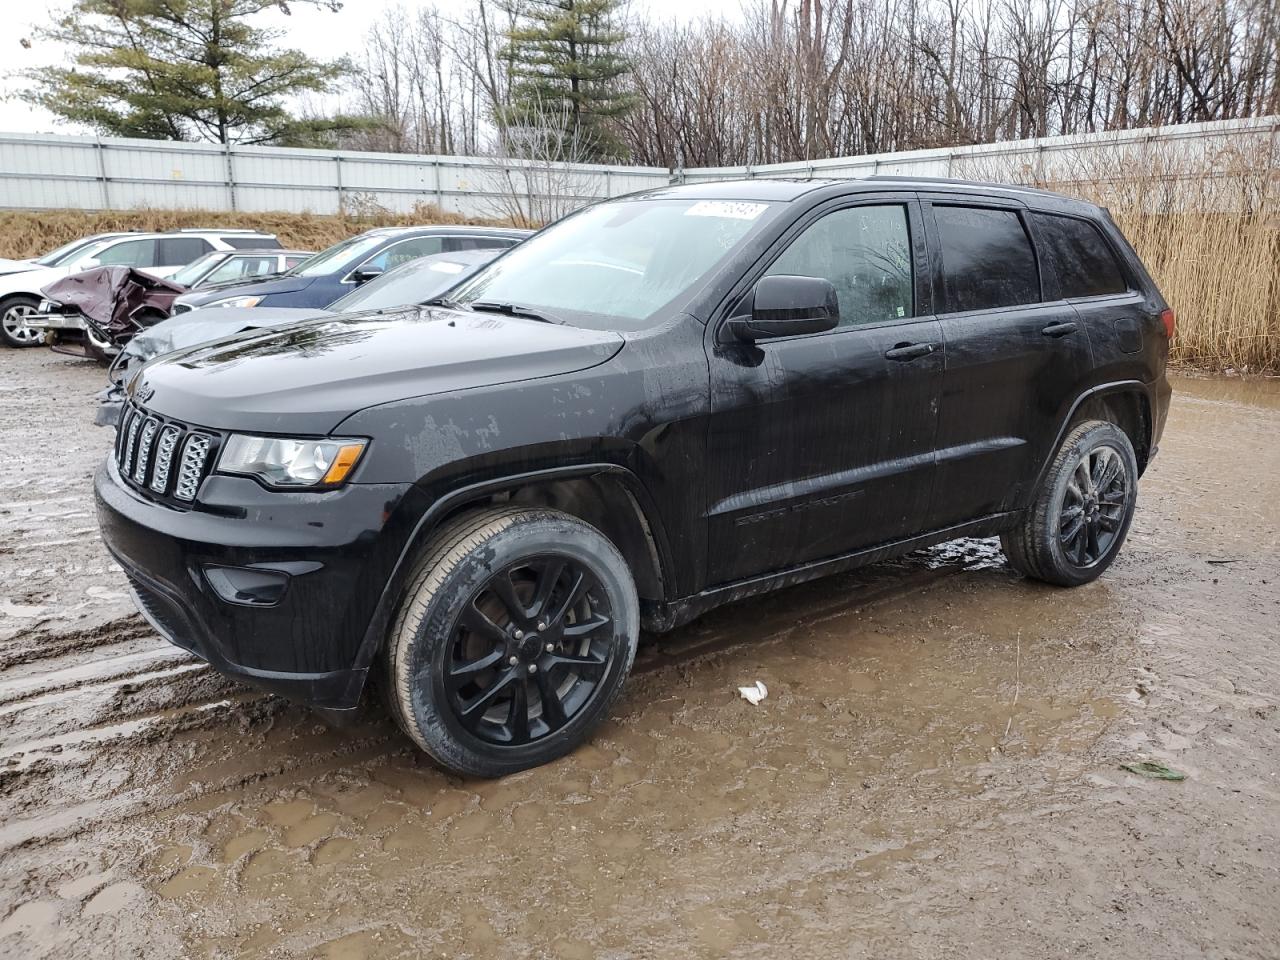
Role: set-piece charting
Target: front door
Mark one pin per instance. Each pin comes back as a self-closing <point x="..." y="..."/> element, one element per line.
<point x="823" y="444"/>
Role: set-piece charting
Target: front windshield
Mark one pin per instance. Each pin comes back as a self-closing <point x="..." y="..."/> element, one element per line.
<point x="194" y="270"/>
<point x="327" y="261"/>
<point x="615" y="264"/>
<point x="58" y="254"/>
<point x="413" y="282"/>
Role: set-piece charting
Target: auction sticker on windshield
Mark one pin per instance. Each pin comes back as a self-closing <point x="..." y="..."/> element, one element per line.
<point x="736" y="210"/>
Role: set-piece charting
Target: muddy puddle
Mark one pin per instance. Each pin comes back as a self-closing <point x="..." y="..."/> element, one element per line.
<point x="934" y="772"/>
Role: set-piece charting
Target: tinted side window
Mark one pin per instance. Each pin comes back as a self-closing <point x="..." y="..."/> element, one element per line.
<point x="130" y="253"/>
<point x="866" y="254"/>
<point x="404" y="251"/>
<point x="182" y="250"/>
<point x="987" y="260"/>
<point x="1076" y="251"/>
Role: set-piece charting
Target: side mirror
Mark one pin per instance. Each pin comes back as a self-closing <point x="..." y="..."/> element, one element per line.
<point x="365" y="274"/>
<point x="88" y="263"/>
<point x="783" y="306"/>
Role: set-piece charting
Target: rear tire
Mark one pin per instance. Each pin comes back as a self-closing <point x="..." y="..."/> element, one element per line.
<point x="1078" y="522"/>
<point x="12" y="331"/>
<point x="515" y="635"/>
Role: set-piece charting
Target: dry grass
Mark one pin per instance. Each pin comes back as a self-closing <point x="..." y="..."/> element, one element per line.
<point x="29" y="233"/>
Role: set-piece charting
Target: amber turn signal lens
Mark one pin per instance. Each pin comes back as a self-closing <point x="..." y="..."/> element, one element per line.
<point x="342" y="463"/>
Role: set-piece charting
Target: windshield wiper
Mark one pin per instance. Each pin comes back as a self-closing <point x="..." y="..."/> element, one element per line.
<point x="513" y="310"/>
<point x="439" y="302"/>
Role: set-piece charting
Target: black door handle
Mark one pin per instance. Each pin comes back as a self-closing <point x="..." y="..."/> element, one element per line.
<point x="1059" y="329"/>
<point x="909" y="351"/>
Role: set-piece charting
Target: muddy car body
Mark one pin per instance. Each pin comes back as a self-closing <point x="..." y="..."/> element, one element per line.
<point x="661" y="404"/>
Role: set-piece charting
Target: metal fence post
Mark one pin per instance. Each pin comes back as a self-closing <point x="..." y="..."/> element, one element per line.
<point x="102" y="172"/>
<point x="231" y="177"/>
<point x="337" y="168"/>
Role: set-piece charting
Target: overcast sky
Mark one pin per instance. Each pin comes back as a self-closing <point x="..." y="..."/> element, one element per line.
<point x="320" y="33"/>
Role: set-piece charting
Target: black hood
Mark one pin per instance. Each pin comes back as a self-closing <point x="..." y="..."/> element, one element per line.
<point x="307" y="377"/>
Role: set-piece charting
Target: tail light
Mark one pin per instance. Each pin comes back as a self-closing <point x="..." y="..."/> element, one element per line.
<point x="1167" y="318"/>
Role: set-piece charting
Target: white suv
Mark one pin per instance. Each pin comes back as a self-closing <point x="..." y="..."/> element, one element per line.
<point x="159" y="254"/>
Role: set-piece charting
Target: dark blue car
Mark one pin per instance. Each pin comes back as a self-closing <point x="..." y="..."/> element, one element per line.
<point x="340" y="269"/>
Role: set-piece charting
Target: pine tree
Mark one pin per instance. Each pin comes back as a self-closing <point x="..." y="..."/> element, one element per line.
<point x="567" y="74"/>
<point x="181" y="70"/>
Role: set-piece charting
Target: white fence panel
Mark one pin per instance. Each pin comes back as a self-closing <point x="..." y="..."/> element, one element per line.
<point x="40" y="171"/>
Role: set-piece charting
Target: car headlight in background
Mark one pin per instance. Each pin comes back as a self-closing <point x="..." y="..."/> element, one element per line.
<point x="236" y="302"/>
<point x="284" y="462"/>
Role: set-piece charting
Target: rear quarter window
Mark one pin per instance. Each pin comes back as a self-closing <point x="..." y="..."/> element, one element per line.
<point x="1079" y="256"/>
<point x="987" y="258"/>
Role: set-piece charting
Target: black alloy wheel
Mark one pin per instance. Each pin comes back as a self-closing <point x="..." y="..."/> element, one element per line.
<point x="529" y="650"/>
<point x="1076" y="524"/>
<point x="514" y="636"/>
<point x="1094" y="506"/>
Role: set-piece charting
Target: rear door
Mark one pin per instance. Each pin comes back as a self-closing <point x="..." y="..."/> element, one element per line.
<point x="1082" y="267"/>
<point x="823" y="444"/>
<point x="1015" y="358"/>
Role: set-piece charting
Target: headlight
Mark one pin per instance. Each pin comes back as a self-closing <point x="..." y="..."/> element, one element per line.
<point x="283" y="462"/>
<point x="236" y="302"/>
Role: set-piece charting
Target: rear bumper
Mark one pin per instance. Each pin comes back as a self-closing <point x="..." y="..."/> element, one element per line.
<point x="1161" y="394"/>
<point x="332" y="553"/>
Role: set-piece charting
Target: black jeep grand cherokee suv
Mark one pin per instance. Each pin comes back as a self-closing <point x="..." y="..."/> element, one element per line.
<point x="657" y="405"/>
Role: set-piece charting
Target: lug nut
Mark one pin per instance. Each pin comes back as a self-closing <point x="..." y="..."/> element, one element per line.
<point x="533" y="668"/>
<point x="519" y="634"/>
<point x="513" y="661"/>
<point x="541" y="625"/>
<point x="550" y="647"/>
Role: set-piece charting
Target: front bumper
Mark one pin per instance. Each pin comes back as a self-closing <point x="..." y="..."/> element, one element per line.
<point x="335" y="551"/>
<point x="57" y="321"/>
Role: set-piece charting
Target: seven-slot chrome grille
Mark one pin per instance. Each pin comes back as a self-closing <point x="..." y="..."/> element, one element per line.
<point x="162" y="457"/>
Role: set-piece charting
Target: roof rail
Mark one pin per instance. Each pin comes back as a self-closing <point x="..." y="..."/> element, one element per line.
<point x="218" y="230"/>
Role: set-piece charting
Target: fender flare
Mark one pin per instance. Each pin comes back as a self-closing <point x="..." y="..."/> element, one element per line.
<point x="1100" y="390"/>
<point x="389" y="599"/>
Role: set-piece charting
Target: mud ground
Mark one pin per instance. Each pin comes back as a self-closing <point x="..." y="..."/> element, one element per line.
<point x="935" y="772"/>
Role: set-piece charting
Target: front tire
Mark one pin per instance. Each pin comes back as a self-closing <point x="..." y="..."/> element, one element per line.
<point x="514" y="638"/>
<point x="1081" y="515"/>
<point x="13" y="330"/>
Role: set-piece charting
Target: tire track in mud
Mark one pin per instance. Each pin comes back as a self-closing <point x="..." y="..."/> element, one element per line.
<point x="86" y="716"/>
<point x="42" y="643"/>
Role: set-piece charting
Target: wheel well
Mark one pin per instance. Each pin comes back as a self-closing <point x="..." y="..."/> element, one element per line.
<point x="602" y="501"/>
<point x="1128" y="410"/>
